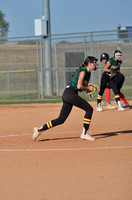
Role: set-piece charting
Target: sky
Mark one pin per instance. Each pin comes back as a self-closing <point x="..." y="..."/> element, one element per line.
<point x="67" y="16"/>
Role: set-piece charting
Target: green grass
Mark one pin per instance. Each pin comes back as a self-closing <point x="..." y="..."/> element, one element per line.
<point x="55" y="99"/>
<point x="31" y="102"/>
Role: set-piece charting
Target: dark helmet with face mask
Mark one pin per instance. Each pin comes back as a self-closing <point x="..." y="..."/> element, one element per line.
<point x="104" y="56"/>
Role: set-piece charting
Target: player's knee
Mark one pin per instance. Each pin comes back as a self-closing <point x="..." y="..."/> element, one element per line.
<point x="90" y="110"/>
<point x="60" y="121"/>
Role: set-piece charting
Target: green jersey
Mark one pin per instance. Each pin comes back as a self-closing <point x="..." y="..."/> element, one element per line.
<point x="114" y="63"/>
<point x="74" y="80"/>
<point x="114" y="66"/>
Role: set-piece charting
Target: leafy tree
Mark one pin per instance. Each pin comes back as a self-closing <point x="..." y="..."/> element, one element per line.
<point x="4" y="26"/>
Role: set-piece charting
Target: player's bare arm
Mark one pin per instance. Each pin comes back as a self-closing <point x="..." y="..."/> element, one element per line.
<point x="106" y="69"/>
<point x="80" y="82"/>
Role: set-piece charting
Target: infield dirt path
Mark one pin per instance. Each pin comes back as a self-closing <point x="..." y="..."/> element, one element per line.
<point x="61" y="166"/>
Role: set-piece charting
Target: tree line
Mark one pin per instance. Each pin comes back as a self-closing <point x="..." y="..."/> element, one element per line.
<point x="4" y="26"/>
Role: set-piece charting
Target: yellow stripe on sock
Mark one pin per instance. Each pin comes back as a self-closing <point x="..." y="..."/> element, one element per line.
<point x="48" y="124"/>
<point x="99" y="97"/>
<point x="117" y="96"/>
<point x="86" y="120"/>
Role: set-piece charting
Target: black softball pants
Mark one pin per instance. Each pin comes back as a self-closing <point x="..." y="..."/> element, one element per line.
<point x="70" y="97"/>
<point x="104" y="81"/>
<point x="116" y="83"/>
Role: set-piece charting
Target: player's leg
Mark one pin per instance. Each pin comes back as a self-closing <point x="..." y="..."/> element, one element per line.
<point x="64" y="113"/>
<point x="81" y="103"/>
<point x="104" y="80"/>
<point x="121" y="81"/>
<point x="114" y="85"/>
<point x="71" y="96"/>
<point x="107" y="104"/>
<point x="125" y="102"/>
<point x="107" y="94"/>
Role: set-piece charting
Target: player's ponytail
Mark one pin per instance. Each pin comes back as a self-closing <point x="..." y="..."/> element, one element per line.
<point x="84" y="64"/>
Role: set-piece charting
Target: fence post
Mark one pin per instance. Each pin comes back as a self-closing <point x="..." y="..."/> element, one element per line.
<point x="38" y="68"/>
<point x="56" y="71"/>
<point x="8" y="82"/>
<point x="92" y="54"/>
<point x="47" y="50"/>
<point x="85" y="47"/>
<point x="41" y="69"/>
<point x="99" y="62"/>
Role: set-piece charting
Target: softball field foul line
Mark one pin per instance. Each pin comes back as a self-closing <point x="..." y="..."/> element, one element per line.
<point x="64" y="132"/>
<point x="68" y="149"/>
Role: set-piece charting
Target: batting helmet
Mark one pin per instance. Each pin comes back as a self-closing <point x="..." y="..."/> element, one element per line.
<point x="104" y="56"/>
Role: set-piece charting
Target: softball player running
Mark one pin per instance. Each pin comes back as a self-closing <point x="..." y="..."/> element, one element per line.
<point x="104" y="58"/>
<point x="70" y="97"/>
<point x="113" y="76"/>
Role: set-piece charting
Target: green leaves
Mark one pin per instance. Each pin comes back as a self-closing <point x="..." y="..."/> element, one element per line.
<point x="4" y="26"/>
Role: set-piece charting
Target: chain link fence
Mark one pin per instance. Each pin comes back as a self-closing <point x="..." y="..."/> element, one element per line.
<point x="22" y="62"/>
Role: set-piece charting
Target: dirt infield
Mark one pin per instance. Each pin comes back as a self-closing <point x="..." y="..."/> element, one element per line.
<point x="61" y="166"/>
